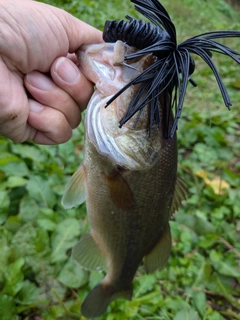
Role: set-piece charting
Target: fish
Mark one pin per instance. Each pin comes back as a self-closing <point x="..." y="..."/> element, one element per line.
<point x="128" y="178"/>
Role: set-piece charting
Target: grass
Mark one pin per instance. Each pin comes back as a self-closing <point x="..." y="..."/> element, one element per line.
<point x="38" y="280"/>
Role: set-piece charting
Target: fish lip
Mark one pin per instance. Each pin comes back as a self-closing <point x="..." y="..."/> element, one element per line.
<point x="89" y="47"/>
<point x="84" y="55"/>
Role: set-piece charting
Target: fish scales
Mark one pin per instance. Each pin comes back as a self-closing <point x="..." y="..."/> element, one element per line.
<point x="128" y="178"/>
<point x="141" y="226"/>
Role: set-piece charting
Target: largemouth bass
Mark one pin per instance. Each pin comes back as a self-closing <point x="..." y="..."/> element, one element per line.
<point x="128" y="179"/>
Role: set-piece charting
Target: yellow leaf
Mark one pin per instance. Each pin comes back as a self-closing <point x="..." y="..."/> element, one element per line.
<point x="218" y="185"/>
<point x="204" y="175"/>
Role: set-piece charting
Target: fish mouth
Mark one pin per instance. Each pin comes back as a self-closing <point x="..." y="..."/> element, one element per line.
<point x="101" y="52"/>
<point x="96" y="61"/>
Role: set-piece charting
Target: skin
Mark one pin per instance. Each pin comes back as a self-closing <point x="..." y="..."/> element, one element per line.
<point x="42" y="91"/>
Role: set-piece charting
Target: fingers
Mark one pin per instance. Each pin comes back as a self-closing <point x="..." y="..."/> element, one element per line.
<point x="13" y="105"/>
<point x="48" y="121"/>
<point x="54" y="114"/>
<point x="59" y="102"/>
<point x="43" y="89"/>
<point x="49" y="126"/>
<point x="68" y="77"/>
<point x="56" y="109"/>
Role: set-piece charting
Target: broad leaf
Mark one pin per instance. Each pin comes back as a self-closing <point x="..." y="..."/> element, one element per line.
<point x="187" y="314"/>
<point x="64" y="238"/>
<point x="40" y="190"/>
<point x="7" y="307"/>
<point x="72" y="275"/>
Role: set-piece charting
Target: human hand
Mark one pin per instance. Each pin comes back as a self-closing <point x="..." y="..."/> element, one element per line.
<point x="35" y="41"/>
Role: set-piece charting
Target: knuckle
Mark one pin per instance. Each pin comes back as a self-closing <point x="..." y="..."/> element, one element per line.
<point x="62" y="131"/>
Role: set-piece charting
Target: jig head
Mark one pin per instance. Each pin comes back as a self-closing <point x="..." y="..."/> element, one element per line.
<point x="170" y="73"/>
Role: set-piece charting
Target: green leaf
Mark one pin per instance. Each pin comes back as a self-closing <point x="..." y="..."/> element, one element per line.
<point x="29" y="293"/>
<point x="203" y="275"/>
<point x="41" y="242"/>
<point x="28" y="209"/>
<point x="215" y="316"/>
<point x="28" y="152"/>
<point x="5" y="253"/>
<point x="55" y="312"/>
<point x="13" y="166"/>
<point x="200" y="302"/>
<point x="64" y="238"/>
<point x="176" y="303"/>
<point x="13" y="277"/>
<point x="8" y="310"/>
<point x="95" y="277"/>
<point x="228" y="270"/>
<point x="150" y="298"/>
<point x="72" y="275"/>
<point x="187" y="314"/>
<point x="224" y="267"/>
<point x="13" y="224"/>
<point x="47" y="224"/>
<point x="67" y="151"/>
<point x="146" y="284"/>
<point x="15" y="181"/>
<point x="52" y="290"/>
<point x="4" y="205"/>
<point x="197" y="222"/>
<point x="208" y="241"/>
<point x="6" y="158"/>
<point x="31" y="242"/>
<point x="40" y="190"/>
<point x="4" y="145"/>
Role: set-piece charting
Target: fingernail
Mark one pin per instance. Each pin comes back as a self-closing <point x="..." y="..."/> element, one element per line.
<point x="67" y="70"/>
<point x="39" y="81"/>
<point x="34" y="106"/>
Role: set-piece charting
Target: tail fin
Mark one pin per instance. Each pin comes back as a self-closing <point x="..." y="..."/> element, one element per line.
<point x="100" y="297"/>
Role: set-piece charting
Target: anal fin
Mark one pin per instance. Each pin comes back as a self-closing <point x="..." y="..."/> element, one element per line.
<point x="87" y="253"/>
<point x="158" y="256"/>
<point x="75" y="192"/>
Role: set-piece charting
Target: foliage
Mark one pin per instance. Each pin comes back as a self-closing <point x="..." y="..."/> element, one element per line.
<point x="38" y="280"/>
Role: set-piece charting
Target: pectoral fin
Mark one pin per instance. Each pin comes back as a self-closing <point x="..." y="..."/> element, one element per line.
<point x="119" y="190"/>
<point x="75" y="192"/>
<point x="159" y="255"/>
<point x="87" y="253"/>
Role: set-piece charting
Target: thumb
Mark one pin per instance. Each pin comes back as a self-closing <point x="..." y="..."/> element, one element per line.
<point x="80" y="33"/>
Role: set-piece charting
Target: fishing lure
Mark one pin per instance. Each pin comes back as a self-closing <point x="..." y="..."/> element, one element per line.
<point x="170" y="73"/>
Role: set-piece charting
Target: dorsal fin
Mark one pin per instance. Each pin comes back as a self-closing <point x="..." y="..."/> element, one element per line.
<point x="180" y="194"/>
